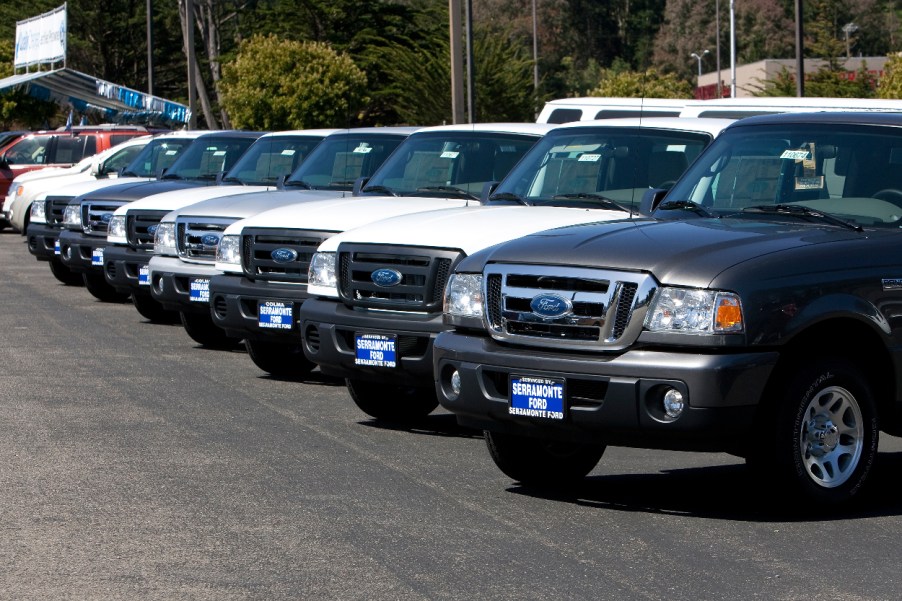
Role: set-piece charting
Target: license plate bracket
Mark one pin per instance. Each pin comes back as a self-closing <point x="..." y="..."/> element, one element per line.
<point x="537" y="397"/>
<point x="376" y="350"/>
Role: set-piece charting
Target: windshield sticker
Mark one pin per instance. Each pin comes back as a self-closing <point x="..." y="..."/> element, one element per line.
<point x="169" y="153"/>
<point x="219" y="153"/>
<point x="288" y="152"/>
<point x="363" y="149"/>
<point x="589" y="158"/>
<point x="450" y="154"/>
<point x="796" y="155"/>
<point x="810" y="183"/>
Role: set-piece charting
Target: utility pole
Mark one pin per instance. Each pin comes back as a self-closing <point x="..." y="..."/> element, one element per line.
<point x="150" y="47"/>
<point x="800" y="52"/>
<point x="189" y="49"/>
<point x="457" y="72"/>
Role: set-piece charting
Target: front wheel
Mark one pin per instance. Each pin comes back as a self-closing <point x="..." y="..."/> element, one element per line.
<point x="392" y="402"/>
<point x="542" y="463"/>
<point x="202" y="330"/>
<point x="100" y="289"/>
<point x="822" y="441"/>
<point x="65" y="275"/>
<point x="279" y="359"/>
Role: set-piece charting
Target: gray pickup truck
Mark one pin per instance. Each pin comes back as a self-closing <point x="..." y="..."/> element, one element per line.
<point x="755" y="313"/>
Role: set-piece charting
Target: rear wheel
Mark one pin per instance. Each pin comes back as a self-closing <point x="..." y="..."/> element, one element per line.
<point x="101" y="290"/>
<point x="542" y="463"/>
<point x="279" y="359"/>
<point x="201" y="329"/>
<point x="65" y="275"/>
<point x="821" y="437"/>
<point x="392" y="402"/>
<point x="153" y="311"/>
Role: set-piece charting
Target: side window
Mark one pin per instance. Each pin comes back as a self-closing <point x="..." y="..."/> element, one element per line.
<point x="70" y="149"/>
<point x="120" y="159"/>
<point x="29" y="151"/>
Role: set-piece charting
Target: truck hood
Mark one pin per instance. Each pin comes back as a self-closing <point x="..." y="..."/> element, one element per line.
<point x="469" y="228"/>
<point x="84" y="187"/>
<point x="343" y="214"/>
<point x="176" y="199"/>
<point x="131" y="191"/>
<point x="695" y="252"/>
<point x="245" y="205"/>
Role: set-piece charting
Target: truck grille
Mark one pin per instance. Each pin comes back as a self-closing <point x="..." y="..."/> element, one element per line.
<point x="141" y="226"/>
<point x="416" y="276"/>
<point x="281" y="255"/>
<point x="571" y="308"/>
<point x="96" y="215"/>
<point x="55" y="207"/>
<point x="197" y="238"/>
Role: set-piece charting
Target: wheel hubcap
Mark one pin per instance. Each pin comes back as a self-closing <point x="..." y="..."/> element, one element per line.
<point x="831" y="437"/>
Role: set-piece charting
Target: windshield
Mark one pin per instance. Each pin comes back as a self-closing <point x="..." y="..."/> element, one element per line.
<point x="208" y="157"/>
<point x="439" y="163"/>
<point x="584" y="166"/>
<point x="270" y="158"/>
<point x="795" y="171"/>
<point x="159" y="154"/>
<point x="342" y="158"/>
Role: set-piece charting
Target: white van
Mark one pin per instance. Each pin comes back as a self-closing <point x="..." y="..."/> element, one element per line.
<point x="737" y="108"/>
<point x="566" y="110"/>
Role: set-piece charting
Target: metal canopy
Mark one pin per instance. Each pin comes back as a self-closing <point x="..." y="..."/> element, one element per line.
<point x="90" y="95"/>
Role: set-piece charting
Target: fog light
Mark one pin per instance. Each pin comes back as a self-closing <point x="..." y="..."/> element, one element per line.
<point x="455" y="383"/>
<point x="673" y="403"/>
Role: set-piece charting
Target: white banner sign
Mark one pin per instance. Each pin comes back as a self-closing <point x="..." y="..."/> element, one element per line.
<point x="41" y="39"/>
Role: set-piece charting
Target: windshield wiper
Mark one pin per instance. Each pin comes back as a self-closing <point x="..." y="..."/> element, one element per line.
<point x="509" y="196"/>
<point x="171" y="176"/>
<point x="803" y="212"/>
<point x="234" y="179"/>
<point x="130" y="174"/>
<point x="450" y="189"/>
<point x="686" y="205"/>
<point x="298" y="183"/>
<point x="383" y="189"/>
<point x="603" y="200"/>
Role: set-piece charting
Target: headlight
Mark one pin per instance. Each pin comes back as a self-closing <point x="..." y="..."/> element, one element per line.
<point x="695" y="311"/>
<point x="39" y="211"/>
<point x="229" y="250"/>
<point x="164" y="239"/>
<point x="464" y="300"/>
<point x="72" y="215"/>
<point x="322" y="280"/>
<point x="116" y="228"/>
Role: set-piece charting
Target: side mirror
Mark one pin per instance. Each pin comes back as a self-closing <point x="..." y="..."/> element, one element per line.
<point x="487" y="189"/>
<point x="650" y="201"/>
<point x="359" y="183"/>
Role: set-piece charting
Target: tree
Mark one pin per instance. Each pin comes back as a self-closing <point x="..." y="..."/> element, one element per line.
<point x="826" y="82"/>
<point x="278" y="84"/>
<point x="647" y="84"/>
<point x="890" y="85"/>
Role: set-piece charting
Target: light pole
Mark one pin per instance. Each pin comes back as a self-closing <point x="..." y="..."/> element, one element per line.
<point x="849" y="29"/>
<point x="698" y="57"/>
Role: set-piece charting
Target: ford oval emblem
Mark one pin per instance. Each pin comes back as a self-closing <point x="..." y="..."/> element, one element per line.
<point x="386" y="277"/>
<point x="152" y="229"/>
<point x="210" y="240"/>
<point x="106" y="217"/>
<point x="284" y="255"/>
<point x="550" y="305"/>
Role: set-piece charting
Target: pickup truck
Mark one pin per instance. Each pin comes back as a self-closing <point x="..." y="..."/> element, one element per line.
<point x="187" y="239"/>
<point x="45" y="222"/>
<point x="86" y="219"/>
<point x="375" y="321"/>
<point x="131" y="229"/>
<point x="754" y="313"/>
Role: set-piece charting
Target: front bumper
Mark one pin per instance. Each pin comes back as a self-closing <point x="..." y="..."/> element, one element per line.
<point x="42" y="241"/>
<point x="235" y="302"/>
<point x="614" y="400"/>
<point x="126" y="269"/>
<point x="179" y="285"/>
<point x="329" y="329"/>
<point x="82" y="253"/>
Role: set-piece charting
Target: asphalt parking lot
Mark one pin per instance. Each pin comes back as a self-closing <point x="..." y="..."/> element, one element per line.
<point x="137" y="465"/>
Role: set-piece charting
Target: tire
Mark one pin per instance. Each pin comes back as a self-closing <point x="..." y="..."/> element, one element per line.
<point x="101" y="290"/>
<point x="202" y="330"/>
<point x="540" y="463"/>
<point x="153" y="311"/>
<point x="65" y="275"/>
<point x="392" y="403"/>
<point x="821" y="438"/>
<point x="278" y="359"/>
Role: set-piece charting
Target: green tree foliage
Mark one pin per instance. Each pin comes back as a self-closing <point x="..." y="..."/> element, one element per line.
<point x="278" y="84"/>
<point x="826" y="82"/>
<point x="891" y="83"/>
<point x="642" y="84"/>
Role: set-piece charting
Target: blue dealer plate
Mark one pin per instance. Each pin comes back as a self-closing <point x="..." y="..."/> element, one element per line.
<point x="144" y="275"/>
<point x="97" y="257"/>
<point x="276" y="315"/>
<point x="199" y="290"/>
<point x="56" y="246"/>
<point x="376" y="350"/>
<point x="542" y="398"/>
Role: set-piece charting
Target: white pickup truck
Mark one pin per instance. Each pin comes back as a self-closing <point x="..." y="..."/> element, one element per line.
<point x="264" y="259"/>
<point x="375" y="303"/>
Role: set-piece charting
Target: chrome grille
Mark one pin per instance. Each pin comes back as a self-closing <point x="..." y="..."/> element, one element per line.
<point x="421" y="276"/>
<point x="141" y="226"/>
<point x="601" y="309"/>
<point x="96" y="215"/>
<point x="197" y="238"/>
<point x="279" y="254"/>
